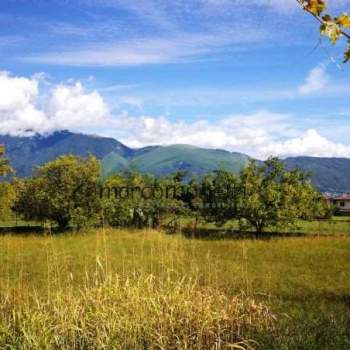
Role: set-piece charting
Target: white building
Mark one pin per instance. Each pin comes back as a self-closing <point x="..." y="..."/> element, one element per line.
<point x="342" y="203"/>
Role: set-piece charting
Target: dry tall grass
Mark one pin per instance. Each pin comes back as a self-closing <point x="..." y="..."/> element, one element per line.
<point x="140" y="310"/>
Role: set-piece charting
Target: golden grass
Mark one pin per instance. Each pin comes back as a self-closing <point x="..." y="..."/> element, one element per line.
<point x="136" y="310"/>
<point x="120" y="289"/>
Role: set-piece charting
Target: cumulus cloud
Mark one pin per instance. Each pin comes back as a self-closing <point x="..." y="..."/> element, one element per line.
<point x="316" y="80"/>
<point x="17" y="104"/>
<point x="241" y="131"/>
<point x="23" y="111"/>
<point x="310" y="143"/>
<point x="71" y="105"/>
<point x="261" y="135"/>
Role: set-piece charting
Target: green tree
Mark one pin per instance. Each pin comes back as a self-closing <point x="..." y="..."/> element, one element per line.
<point x="4" y="163"/>
<point x="138" y="200"/>
<point x="219" y="196"/>
<point x="270" y="196"/>
<point x="63" y="191"/>
<point x="7" y="193"/>
<point x="334" y="28"/>
<point x="7" y="198"/>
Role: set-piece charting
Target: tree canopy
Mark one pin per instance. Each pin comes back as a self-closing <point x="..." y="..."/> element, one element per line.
<point x="70" y="191"/>
<point x="4" y="163"/>
<point x="263" y="196"/>
<point x="63" y="190"/>
<point x="7" y="193"/>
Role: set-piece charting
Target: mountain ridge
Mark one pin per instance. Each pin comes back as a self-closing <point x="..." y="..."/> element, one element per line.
<point x="26" y="153"/>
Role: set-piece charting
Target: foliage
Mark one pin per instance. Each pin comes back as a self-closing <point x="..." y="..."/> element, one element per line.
<point x="219" y="196"/>
<point x="332" y="27"/>
<point x="271" y="196"/>
<point x="69" y="191"/>
<point x="141" y="201"/>
<point x="62" y="191"/>
<point x="262" y="196"/>
<point x="4" y="163"/>
<point x="7" y="194"/>
<point x="7" y="199"/>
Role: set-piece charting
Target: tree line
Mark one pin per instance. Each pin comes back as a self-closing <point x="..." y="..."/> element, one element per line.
<point x="70" y="192"/>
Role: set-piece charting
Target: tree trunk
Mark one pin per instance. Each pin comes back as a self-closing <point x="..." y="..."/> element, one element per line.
<point x="194" y="230"/>
<point x="259" y="229"/>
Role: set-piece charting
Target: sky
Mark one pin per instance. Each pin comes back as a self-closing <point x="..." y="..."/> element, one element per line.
<point x="246" y="76"/>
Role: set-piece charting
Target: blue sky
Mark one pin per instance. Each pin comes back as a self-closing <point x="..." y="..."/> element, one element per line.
<point x="253" y="77"/>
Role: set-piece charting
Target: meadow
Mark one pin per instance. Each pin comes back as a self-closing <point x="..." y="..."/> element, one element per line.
<point x="124" y="289"/>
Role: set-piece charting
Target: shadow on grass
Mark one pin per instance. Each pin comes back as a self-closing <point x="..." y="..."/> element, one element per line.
<point x="219" y="233"/>
<point x="315" y="297"/>
<point x="21" y="230"/>
<point x="31" y="230"/>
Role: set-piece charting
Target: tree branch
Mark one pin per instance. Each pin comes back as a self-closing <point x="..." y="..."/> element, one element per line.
<point x="319" y="19"/>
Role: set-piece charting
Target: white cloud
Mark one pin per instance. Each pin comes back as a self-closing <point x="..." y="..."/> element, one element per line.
<point x="245" y="133"/>
<point x="16" y="92"/>
<point x="316" y="81"/>
<point x="173" y="48"/>
<point x="70" y="106"/>
<point x="17" y="104"/>
<point x="260" y="135"/>
<point x="66" y="106"/>
<point x="310" y="143"/>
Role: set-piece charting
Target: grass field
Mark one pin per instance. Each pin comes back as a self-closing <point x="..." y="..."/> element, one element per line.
<point x="336" y="226"/>
<point x="148" y="290"/>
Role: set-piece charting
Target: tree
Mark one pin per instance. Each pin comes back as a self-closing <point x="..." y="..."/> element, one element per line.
<point x="138" y="200"/>
<point x="4" y="163"/>
<point x="7" y="193"/>
<point x="263" y="195"/>
<point x="270" y="196"/>
<point x="7" y="198"/>
<point x="219" y="194"/>
<point x="334" y="28"/>
<point x="64" y="191"/>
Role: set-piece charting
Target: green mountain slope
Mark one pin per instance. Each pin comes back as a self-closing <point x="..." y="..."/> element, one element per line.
<point x="328" y="174"/>
<point x="112" y="163"/>
<point x="26" y="153"/>
<point x="194" y="160"/>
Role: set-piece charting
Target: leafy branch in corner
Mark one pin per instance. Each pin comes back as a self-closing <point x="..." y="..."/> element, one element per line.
<point x="332" y="27"/>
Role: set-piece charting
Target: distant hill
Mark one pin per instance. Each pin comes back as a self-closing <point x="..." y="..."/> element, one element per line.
<point x="26" y="153"/>
<point x="328" y="174"/>
<point x="168" y="159"/>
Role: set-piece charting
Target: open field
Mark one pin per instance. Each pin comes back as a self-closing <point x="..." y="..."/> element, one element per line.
<point x="336" y="226"/>
<point x="145" y="289"/>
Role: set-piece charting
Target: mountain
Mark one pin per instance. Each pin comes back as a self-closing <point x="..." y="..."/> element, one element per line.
<point x="327" y="174"/>
<point x="26" y="153"/>
<point x="163" y="160"/>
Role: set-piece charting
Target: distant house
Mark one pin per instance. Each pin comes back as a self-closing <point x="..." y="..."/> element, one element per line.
<point x="341" y="203"/>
